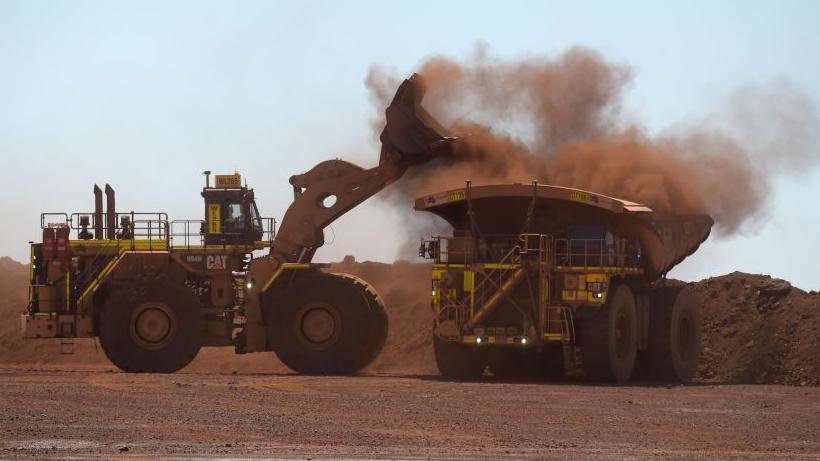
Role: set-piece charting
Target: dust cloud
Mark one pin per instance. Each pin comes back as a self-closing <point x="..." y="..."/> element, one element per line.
<point x="559" y="120"/>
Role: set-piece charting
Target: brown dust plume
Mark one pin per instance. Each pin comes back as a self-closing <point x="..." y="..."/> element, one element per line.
<point x="558" y="120"/>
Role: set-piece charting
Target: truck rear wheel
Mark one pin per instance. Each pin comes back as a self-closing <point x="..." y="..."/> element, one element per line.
<point x="609" y="340"/>
<point x="674" y="335"/>
<point x="459" y="361"/>
<point x="326" y="324"/>
<point x="151" y="327"/>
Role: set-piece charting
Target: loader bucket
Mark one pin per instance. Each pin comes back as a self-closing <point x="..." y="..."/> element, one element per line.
<point x="410" y="131"/>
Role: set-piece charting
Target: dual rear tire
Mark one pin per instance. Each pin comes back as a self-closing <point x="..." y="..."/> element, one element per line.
<point x="674" y="335"/>
<point x="609" y="339"/>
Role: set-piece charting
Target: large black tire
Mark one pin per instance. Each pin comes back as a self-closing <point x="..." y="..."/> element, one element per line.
<point x="378" y="317"/>
<point x="609" y="340"/>
<point x="459" y="361"/>
<point x="327" y="325"/>
<point x="674" y="335"/>
<point x="151" y="327"/>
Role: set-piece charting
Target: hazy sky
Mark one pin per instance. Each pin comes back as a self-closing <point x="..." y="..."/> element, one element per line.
<point x="147" y="95"/>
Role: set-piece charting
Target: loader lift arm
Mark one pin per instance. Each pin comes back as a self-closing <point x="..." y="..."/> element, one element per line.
<point x="333" y="187"/>
<point x="331" y="323"/>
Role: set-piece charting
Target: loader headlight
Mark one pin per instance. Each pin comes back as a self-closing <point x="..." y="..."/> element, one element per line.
<point x="478" y="340"/>
<point x="524" y="341"/>
<point x="249" y="285"/>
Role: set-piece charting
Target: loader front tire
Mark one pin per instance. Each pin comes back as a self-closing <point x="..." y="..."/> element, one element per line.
<point x="327" y="324"/>
<point x="151" y="327"/>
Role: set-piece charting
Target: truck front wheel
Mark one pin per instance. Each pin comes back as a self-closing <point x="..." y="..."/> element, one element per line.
<point x="151" y="327"/>
<point x="609" y="339"/>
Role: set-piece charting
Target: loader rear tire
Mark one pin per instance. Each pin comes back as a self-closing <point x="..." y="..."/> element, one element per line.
<point x="674" y="335"/>
<point x="327" y="325"/>
<point x="459" y="361"/>
<point x="609" y="340"/>
<point x="151" y="327"/>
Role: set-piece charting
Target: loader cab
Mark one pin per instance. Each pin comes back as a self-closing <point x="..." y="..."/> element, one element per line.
<point x="231" y="215"/>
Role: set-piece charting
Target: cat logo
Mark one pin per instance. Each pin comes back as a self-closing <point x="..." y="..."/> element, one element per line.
<point x="213" y="262"/>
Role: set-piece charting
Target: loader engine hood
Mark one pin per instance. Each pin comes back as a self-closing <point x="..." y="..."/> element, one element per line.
<point x="665" y="239"/>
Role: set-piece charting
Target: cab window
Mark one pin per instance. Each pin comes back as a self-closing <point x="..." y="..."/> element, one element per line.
<point x="256" y="221"/>
<point x="234" y="218"/>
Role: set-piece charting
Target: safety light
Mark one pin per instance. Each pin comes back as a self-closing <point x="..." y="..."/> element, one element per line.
<point x="249" y="285"/>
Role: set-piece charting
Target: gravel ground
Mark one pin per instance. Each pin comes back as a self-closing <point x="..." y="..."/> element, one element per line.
<point x="103" y="414"/>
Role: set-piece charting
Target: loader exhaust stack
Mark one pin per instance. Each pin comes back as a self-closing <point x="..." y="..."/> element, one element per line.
<point x="111" y="213"/>
<point x="98" y="213"/>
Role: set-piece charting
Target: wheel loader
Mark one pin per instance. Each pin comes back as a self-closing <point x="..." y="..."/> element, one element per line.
<point x="541" y="281"/>
<point x="154" y="290"/>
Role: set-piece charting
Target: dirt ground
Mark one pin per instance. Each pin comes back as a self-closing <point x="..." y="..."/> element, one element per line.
<point x="755" y="330"/>
<point x="99" y="414"/>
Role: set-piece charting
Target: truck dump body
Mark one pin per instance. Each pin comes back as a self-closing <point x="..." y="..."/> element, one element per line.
<point x="665" y="239"/>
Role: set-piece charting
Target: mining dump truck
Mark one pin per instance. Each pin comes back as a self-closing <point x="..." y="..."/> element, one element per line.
<point x="539" y="280"/>
<point x="155" y="290"/>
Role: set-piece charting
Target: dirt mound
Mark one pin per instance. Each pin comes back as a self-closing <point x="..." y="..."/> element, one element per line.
<point x="756" y="329"/>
